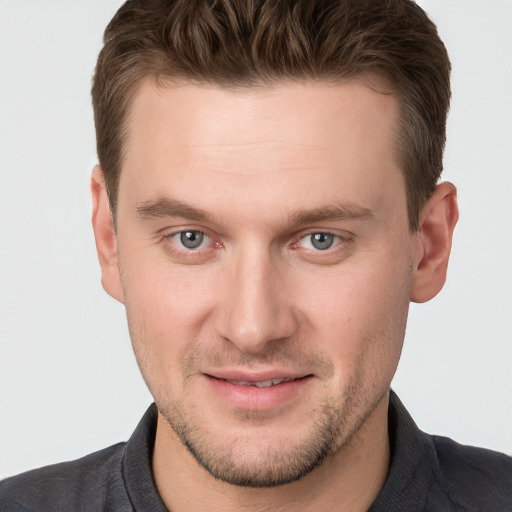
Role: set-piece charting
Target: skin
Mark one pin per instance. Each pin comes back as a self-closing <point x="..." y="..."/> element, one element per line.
<point x="259" y="172"/>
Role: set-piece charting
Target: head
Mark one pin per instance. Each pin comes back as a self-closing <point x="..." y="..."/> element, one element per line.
<point x="271" y="170"/>
<point x="239" y="44"/>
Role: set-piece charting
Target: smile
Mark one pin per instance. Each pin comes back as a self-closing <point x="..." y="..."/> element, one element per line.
<point x="259" y="384"/>
<point x="258" y="392"/>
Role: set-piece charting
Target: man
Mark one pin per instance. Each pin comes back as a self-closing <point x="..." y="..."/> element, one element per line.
<point x="266" y="206"/>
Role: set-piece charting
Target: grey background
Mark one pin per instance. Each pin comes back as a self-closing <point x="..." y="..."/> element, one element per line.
<point x="68" y="380"/>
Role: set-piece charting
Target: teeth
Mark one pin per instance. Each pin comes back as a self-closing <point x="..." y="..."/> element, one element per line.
<point x="240" y="382"/>
<point x="260" y="384"/>
<point x="264" y="384"/>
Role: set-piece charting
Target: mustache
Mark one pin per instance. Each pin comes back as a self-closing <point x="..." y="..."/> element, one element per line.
<point x="278" y="353"/>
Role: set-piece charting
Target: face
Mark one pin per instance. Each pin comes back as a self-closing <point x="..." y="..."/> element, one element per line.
<point x="265" y="260"/>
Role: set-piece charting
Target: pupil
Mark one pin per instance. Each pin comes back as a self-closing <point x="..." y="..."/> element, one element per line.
<point x="322" y="241"/>
<point x="191" y="239"/>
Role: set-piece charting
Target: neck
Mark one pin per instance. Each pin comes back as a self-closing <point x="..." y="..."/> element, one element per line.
<point x="349" y="480"/>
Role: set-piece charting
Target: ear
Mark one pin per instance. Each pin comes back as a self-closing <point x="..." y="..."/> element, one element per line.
<point x="433" y="243"/>
<point x="105" y="236"/>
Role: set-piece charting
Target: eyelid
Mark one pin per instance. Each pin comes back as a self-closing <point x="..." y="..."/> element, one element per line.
<point x="180" y="254"/>
<point x="174" y="230"/>
<point x="340" y="249"/>
<point x="205" y="241"/>
<point x="343" y="235"/>
<point x="336" y="241"/>
<point x="168" y="233"/>
<point x="343" y="238"/>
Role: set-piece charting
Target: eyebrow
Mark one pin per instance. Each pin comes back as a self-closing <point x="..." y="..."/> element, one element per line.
<point x="166" y="207"/>
<point x="347" y="211"/>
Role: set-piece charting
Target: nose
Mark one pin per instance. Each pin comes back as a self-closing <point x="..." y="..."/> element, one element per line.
<point x="255" y="309"/>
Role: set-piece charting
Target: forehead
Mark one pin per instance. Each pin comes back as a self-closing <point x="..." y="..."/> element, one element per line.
<point x="311" y="140"/>
<point x="306" y="112"/>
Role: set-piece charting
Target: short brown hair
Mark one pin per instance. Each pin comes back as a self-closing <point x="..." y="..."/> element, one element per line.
<point x="244" y="43"/>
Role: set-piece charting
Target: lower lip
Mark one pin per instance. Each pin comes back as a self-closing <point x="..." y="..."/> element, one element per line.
<point x="254" y="398"/>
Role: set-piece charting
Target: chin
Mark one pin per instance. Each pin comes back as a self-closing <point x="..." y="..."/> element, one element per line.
<point x="261" y="457"/>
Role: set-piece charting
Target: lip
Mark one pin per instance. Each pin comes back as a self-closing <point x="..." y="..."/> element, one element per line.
<point x="255" y="376"/>
<point x="227" y="386"/>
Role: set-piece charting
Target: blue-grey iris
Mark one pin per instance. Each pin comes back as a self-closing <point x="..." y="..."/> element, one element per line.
<point x="322" y="241"/>
<point x="191" y="239"/>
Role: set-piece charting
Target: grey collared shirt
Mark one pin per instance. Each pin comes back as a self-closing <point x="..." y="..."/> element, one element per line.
<point x="427" y="474"/>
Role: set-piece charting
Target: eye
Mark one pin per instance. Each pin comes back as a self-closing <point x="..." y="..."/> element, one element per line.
<point x="190" y="239"/>
<point x="319" y="241"/>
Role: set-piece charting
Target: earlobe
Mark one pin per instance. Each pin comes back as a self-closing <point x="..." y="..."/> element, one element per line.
<point x="433" y="243"/>
<point x="105" y="236"/>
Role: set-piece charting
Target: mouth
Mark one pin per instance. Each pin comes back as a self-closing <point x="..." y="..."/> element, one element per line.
<point x="263" y="383"/>
<point x="258" y="392"/>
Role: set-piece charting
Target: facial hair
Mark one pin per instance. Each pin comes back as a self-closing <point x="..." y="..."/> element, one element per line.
<point x="274" y="464"/>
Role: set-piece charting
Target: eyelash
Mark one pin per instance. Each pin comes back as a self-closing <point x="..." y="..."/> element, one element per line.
<point x="340" y="243"/>
<point x="197" y="233"/>
<point x="189" y="253"/>
<point x="337" y="240"/>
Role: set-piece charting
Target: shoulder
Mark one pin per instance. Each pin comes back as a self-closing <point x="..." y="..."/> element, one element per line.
<point x="82" y="484"/>
<point x="476" y="478"/>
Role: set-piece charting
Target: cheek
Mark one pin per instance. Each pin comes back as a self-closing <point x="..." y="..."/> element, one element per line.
<point x="359" y="312"/>
<point x="166" y="309"/>
<point x="164" y="295"/>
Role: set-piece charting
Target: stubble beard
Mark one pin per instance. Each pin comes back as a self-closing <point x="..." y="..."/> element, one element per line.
<point x="269" y="463"/>
<point x="264" y="464"/>
<point x="274" y="465"/>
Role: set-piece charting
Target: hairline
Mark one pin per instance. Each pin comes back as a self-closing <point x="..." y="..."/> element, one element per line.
<point x="375" y="81"/>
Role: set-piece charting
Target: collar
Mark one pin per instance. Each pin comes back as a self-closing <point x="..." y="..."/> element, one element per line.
<point x="410" y="470"/>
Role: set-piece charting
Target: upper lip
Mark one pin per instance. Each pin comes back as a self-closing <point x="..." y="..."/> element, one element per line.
<point x="255" y="376"/>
